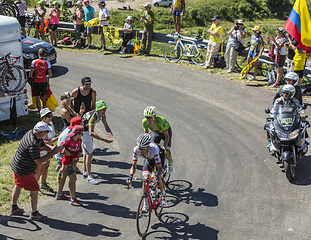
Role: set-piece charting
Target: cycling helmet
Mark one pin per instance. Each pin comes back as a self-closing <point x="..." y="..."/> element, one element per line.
<point x="143" y="140"/>
<point x="288" y="88"/>
<point x="150" y="111"/>
<point x="292" y="76"/>
<point x="100" y="105"/>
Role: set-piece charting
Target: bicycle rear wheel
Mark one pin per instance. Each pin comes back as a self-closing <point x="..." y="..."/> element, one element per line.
<point x="12" y="79"/>
<point x="172" y="52"/>
<point x="159" y="208"/>
<point x="199" y="53"/>
<point x="143" y="216"/>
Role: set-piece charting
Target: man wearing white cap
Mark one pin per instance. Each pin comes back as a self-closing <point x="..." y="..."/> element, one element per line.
<point x="103" y="22"/>
<point x="147" y="18"/>
<point x="24" y="164"/>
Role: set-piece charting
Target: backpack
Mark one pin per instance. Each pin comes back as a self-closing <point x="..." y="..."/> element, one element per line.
<point x="219" y="61"/>
<point x="271" y="77"/>
<point x="66" y="41"/>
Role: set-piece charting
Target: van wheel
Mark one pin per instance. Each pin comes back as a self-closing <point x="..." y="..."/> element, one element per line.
<point x="156" y="5"/>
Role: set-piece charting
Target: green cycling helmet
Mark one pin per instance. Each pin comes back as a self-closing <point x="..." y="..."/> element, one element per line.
<point x="100" y="105"/>
<point x="55" y="3"/>
<point x="150" y="111"/>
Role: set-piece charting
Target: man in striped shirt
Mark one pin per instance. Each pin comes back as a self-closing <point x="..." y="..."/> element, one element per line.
<point x="24" y="164"/>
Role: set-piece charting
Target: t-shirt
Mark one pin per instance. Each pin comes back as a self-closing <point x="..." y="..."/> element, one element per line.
<point x="40" y="66"/>
<point x="150" y="15"/>
<point x="50" y="136"/>
<point x="21" y="8"/>
<point x="219" y="30"/>
<point x="72" y="146"/>
<point x="61" y="138"/>
<point x="89" y="119"/>
<point x="153" y="153"/>
<point x="128" y="26"/>
<point x="280" y="40"/>
<point x="103" y="13"/>
<point x="40" y="11"/>
<point x="28" y="150"/>
<point x="299" y="60"/>
<point x="161" y="123"/>
<point x="235" y="36"/>
<point x="88" y="12"/>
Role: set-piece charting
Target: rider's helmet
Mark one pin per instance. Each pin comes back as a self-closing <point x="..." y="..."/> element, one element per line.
<point x="292" y="76"/>
<point x="143" y="140"/>
<point x="150" y="111"/>
<point x="100" y="105"/>
<point x="288" y="88"/>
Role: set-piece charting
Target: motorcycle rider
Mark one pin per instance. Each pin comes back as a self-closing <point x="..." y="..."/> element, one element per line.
<point x="291" y="78"/>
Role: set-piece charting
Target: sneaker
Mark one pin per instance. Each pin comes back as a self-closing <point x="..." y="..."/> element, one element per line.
<point x="76" y="203"/>
<point x="121" y="52"/>
<point x="62" y="197"/>
<point x="94" y="175"/>
<point x="16" y="211"/>
<point x="57" y="168"/>
<point x="274" y="85"/>
<point x="45" y="186"/>
<point x="244" y="77"/>
<point x="91" y="181"/>
<point x="205" y="67"/>
<point x="163" y="201"/>
<point x="37" y="217"/>
<point x="84" y="176"/>
<point x="170" y="167"/>
<point x="229" y="71"/>
<point x="88" y="46"/>
<point x="252" y="78"/>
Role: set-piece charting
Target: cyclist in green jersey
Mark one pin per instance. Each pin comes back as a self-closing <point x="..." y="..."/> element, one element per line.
<point x="160" y="129"/>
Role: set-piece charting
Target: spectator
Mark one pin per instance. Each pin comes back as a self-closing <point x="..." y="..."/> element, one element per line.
<point x="147" y="18"/>
<point x="254" y="51"/>
<point x="24" y="164"/>
<point x="42" y="169"/>
<point x="77" y="23"/>
<point x="279" y="53"/>
<point x="127" y="33"/>
<point x="177" y="9"/>
<point x="214" y="41"/>
<point x="103" y="22"/>
<point x="67" y="112"/>
<point x="22" y="7"/>
<point x="54" y="21"/>
<point x="89" y="13"/>
<point x="236" y="34"/>
<point x="290" y="54"/>
<point x="89" y="120"/>
<point x="40" y="13"/>
<point x="70" y="172"/>
<point x="39" y="87"/>
<point x="299" y="60"/>
<point x="84" y="95"/>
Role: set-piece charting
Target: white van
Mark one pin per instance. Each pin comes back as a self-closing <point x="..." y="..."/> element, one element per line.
<point x="10" y="42"/>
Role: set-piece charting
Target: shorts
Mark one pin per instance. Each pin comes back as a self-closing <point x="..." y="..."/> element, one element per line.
<point x="22" y="21"/>
<point x="39" y="89"/>
<point x="100" y="30"/>
<point x="40" y="26"/>
<point x="69" y="169"/>
<point x="66" y="159"/>
<point x="281" y="61"/>
<point x="28" y="182"/>
<point x="87" y="143"/>
<point x="149" y="165"/>
<point x="156" y="137"/>
<point x="177" y="12"/>
<point x="252" y="54"/>
<point x="300" y="73"/>
<point x="53" y="27"/>
<point x="77" y="29"/>
<point x="88" y="29"/>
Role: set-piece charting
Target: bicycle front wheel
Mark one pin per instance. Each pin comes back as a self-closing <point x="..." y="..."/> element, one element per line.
<point x="199" y="53"/>
<point x="143" y="216"/>
<point x="12" y="79"/>
<point x="172" y="52"/>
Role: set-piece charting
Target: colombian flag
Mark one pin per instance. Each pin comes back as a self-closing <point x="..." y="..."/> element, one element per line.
<point x="299" y="25"/>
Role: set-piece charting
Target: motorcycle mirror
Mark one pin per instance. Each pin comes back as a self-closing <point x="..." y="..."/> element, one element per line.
<point x="267" y="110"/>
<point x="304" y="106"/>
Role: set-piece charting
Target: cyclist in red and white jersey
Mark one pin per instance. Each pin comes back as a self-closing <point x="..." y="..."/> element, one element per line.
<point x="39" y="87"/>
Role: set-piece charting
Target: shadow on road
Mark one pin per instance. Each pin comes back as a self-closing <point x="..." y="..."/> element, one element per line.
<point x="58" y="71"/>
<point x="303" y="171"/>
<point x="103" y="152"/>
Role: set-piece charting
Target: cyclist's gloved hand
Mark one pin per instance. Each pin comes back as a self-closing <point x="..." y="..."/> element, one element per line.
<point x="129" y="179"/>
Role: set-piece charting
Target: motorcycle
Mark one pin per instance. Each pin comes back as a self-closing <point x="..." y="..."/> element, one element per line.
<point x="286" y="132"/>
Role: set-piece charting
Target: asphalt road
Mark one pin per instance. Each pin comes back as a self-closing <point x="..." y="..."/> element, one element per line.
<point x="224" y="185"/>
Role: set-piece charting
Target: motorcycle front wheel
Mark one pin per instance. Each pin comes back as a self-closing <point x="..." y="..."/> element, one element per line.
<point x="289" y="171"/>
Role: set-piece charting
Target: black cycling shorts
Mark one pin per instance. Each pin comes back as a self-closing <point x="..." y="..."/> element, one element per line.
<point x="39" y="89"/>
<point x="156" y="137"/>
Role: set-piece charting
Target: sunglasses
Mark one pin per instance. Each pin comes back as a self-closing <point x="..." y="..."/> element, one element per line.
<point x="142" y="149"/>
<point x="286" y="93"/>
<point x="148" y="117"/>
<point x="49" y="115"/>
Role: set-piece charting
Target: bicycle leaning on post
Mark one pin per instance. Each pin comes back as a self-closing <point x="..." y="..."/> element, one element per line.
<point x="174" y="50"/>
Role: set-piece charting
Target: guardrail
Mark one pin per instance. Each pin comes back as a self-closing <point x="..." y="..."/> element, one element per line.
<point x="164" y="38"/>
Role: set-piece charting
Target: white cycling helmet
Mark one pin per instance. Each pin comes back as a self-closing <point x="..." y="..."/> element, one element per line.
<point x="292" y="76"/>
<point x="143" y="140"/>
<point x="288" y="88"/>
<point x="150" y="111"/>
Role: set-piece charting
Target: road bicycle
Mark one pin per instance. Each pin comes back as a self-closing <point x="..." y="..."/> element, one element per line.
<point x="150" y="200"/>
<point x="174" y="50"/>
<point x="12" y="77"/>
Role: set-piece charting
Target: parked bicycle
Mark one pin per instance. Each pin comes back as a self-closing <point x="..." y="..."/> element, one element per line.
<point x="150" y="200"/>
<point x="12" y="77"/>
<point x="174" y="50"/>
<point x="9" y="9"/>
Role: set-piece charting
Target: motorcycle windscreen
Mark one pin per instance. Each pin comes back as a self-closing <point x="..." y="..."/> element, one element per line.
<point x="286" y="116"/>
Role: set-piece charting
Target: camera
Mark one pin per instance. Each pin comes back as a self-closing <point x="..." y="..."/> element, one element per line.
<point x="236" y="27"/>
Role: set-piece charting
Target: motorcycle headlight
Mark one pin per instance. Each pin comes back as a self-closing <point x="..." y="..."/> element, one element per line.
<point x="30" y="55"/>
<point x="293" y="134"/>
<point x="281" y="135"/>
